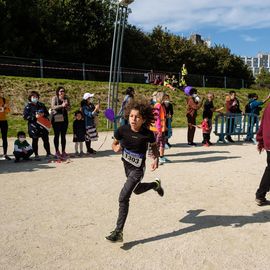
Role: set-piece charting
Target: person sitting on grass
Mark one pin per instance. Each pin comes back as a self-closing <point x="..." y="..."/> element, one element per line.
<point x="22" y="149"/>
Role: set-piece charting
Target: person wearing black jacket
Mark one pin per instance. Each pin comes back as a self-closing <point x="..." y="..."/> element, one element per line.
<point x="32" y="111"/>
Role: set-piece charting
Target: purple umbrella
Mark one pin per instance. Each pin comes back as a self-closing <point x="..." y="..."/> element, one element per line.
<point x="109" y="114"/>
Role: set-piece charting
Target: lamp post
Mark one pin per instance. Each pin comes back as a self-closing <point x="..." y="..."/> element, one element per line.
<point x="116" y="55"/>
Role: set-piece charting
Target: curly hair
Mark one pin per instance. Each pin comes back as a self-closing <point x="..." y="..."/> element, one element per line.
<point x="144" y="108"/>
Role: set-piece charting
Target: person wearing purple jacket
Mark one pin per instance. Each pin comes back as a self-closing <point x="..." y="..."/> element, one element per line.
<point x="263" y="139"/>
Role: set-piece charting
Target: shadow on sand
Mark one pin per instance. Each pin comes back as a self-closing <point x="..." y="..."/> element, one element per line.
<point x="204" y="222"/>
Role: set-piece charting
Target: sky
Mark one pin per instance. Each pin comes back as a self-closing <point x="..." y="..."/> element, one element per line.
<point x="243" y="26"/>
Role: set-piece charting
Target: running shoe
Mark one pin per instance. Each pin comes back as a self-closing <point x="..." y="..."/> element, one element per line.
<point x="115" y="236"/>
<point x="161" y="161"/>
<point x="262" y="201"/>
<point x="159" y="188"/>
<point x="7" y="157"/>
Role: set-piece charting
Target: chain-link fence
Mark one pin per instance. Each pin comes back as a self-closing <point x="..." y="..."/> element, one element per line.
<point x="15" y="66"/>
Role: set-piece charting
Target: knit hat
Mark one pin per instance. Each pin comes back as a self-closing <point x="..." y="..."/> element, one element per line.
<point x="87" y="95"/>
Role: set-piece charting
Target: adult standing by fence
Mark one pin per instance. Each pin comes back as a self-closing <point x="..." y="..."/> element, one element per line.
<point x="127" y="99"/>
<point x="60" y="106"/>
<point x="232" y="107"/>
<point x="184" y="73"/>
<point x="4" y="109"/>
<point x="253" y="108"/>
<point x="32" y="111"/>
<point x="263" y="140"/>
<point x="193" y="105"/>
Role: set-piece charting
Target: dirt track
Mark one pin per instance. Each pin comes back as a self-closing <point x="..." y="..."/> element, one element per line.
<point x="55" y="216"/>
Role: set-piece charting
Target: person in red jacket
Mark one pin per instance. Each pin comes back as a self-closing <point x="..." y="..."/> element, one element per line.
<point x="193" y="105"/>
<point x="263" y="139"/>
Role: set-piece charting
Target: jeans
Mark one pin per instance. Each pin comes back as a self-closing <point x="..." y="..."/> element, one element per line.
<point x="132" y="184"/>
<point x="265" y="181"/>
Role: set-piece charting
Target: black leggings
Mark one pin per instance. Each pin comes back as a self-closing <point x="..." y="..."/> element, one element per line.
<point x="60" y="128"/>
<point x="46" y="144"/>
<point x="4" y="131"/>
<point x="133" y="183"/>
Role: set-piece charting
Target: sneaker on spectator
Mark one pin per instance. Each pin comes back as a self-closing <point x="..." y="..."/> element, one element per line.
<point x="81" y="153"/>
<point x="57" y="155"/>
<point x="161" y="160"/>
<point x="64" y="155"/>
<point x="37" y="158"/>
<point x="7" y="157"/>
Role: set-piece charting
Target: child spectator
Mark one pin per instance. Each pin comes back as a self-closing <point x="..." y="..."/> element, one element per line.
<point x="78" y="132"/>
<point x="22" y="149"/>
<point x="206" y="130"/>
<point x="90" y="111"/>
<point x="208" y="110"/>
<point x="159" y="127"/>
<point x="169" y="115"/>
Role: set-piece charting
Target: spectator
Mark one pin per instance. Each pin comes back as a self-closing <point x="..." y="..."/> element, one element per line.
<point x="168" y="82"/>
<point x="78" y="132"/>
<point x="32" y="111"/>
<point x="263" y="140"/>
<point x="158" y="80"/>
<point x="22" y="149"/>
<point x="159" y="127"/>
<point x="60" y="106"/>
<point x="253" y="107"/>
<point x="4" y="110"/>
<point x="232" y="107"/>
<point x="193" y="105"/>
<point x="169" y="116"/>
<point x="208" y="110"/>
<point x="90" y="111"/>
<point x="184" y="73"/>
<point x="128" y="98"/>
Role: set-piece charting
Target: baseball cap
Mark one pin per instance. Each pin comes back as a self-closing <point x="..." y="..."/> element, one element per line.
<point x="87" y="95"/>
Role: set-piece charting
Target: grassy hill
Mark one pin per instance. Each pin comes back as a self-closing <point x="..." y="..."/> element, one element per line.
<point x="16" y="89"/>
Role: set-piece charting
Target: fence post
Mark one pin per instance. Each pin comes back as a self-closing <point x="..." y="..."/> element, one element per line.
<point x="41" y="68"/>
<point x="203" y="80"/>
<point x="83" y="71"/>
<point x="225" y="82"/>
<point x="243" y="83"/>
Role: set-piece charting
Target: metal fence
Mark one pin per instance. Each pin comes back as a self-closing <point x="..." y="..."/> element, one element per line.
<point x="27" y="67"/>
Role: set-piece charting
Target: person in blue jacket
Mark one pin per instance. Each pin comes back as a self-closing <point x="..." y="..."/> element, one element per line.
<point x="90" y="112"/>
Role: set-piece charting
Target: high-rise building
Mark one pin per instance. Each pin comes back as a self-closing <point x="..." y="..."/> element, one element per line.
<point x="256" y="63"/>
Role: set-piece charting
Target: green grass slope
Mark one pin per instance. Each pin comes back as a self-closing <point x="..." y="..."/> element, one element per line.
<point x="16" y="90"/>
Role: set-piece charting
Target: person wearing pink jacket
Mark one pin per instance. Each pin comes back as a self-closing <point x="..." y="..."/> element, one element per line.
<point x="263" y="139"/>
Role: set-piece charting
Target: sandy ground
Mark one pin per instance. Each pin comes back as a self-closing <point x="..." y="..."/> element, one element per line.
<point x="55" y="216"/>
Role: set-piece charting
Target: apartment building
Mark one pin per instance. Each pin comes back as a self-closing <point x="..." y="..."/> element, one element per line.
<point x="256" y="63"/>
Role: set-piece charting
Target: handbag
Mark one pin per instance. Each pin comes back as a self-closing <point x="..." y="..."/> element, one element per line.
<point x="59" y="117"/>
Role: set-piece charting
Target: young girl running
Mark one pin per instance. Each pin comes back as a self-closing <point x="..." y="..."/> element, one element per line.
<point x="133" y="140"/>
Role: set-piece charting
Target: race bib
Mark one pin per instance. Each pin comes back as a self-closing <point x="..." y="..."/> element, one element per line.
<point x="133" y="158"/>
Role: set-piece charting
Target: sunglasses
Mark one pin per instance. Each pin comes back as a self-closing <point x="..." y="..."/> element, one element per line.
<point x="61" y="91"/>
